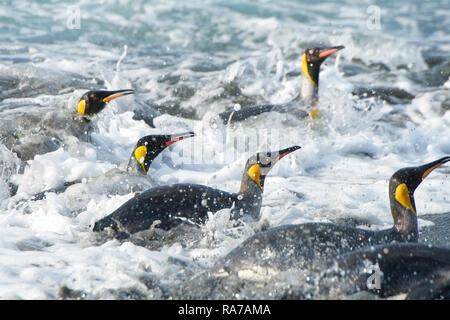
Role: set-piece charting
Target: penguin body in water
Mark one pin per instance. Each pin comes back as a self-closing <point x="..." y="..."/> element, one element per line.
<point x="302" y="106"/>
<point x="396" y="270"/>
<point x="167" y="206"/>
<point x="297" y="246"/>
<point x="420" y="271"/>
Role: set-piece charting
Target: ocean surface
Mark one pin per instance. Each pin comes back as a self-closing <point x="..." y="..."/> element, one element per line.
<point x="384" y="105"/>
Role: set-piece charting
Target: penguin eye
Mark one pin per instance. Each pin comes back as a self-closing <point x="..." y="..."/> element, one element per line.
<point x="264" y="161"/>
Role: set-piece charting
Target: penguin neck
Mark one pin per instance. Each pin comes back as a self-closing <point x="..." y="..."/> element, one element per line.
<point x="135" y="167"/>
<point x="405" y="222"/>
<point x="249" y="199"/>
<point x="309" y="93"/>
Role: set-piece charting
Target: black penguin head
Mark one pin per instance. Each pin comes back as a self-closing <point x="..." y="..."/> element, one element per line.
<point x="92" y="102"/>
<point x="312" y="59"/>
<point x="149" y="147"/>
<point x="259" y="165"/>
<point x="402" y="185"/>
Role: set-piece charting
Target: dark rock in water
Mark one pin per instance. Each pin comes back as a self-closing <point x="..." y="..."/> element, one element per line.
<point x="170" y="78"/>
<point x="358" y="66"/>
<point x="145" y="112"/>
<point x="42" y="195"/>
<point x="10" y="164"/>
<point x="12" y="188"/>
<point x="184" y="92"/>
<point x="379" y="66"/>
<point x="298" y="194"/>
<point x="174" y="108"/>
<point x="434" y="57"/>
<point x="396" y="118"/>
<point x="28" y="80"/>
<point x="438" y="71"/>
<point x="29" y="146"/>
<point x="390" y="95"/>
<point x="233" y="93"/>
<point x="350" y="70"/>
<point x="446" y="104"/>
<point x="293" y="73"/>
<point x="30" y="130"/>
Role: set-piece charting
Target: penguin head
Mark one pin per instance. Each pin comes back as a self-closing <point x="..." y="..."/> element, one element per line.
<point x="92" y="102"/>
<point x="149" y="147"/>
<point x="402" y="185"/>
<point x="259" y="165"/>
<point x="312" y="58"/>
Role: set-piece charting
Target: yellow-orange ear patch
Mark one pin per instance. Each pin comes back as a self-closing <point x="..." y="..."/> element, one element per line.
<point x="140" y="154"/>
<point x="402" y="196"/>
<point x="81" y="107"/>
<point x="255" y="174"/>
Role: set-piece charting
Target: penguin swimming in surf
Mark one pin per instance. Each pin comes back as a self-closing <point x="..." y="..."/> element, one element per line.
<point x="420" y="271"/>
<point x="401" y="270"/>
<point x="305" y="104"/>
<point x="94" y="101"/>
<point x="167" y="206"/>
<point x="130" y="176"/>
<point x="289" y="246"/>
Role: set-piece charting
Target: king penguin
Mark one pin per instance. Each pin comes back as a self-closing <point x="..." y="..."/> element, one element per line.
<point x="167" y="206"/>
<point x="129" y="176"/>
<point x="305" y="103"/>
<point x="290" y="246"/>
<point x="94" y="101"/>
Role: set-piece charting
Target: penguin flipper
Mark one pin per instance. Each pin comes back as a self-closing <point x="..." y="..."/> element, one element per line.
<point x="245" y="113"/>
<point x="42" y="195"/>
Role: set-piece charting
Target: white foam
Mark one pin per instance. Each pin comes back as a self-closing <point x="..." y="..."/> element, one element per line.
<point x="341" y="171"/>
